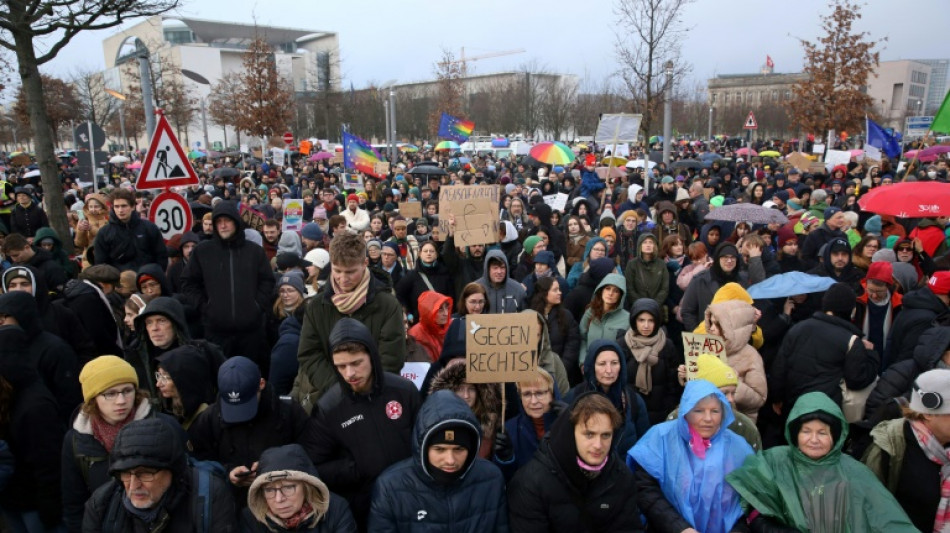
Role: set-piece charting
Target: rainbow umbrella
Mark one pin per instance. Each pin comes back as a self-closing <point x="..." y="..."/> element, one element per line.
<point x="411" y="148"/>
<point x="552" y="153"/>
<point x="447" y="145"/>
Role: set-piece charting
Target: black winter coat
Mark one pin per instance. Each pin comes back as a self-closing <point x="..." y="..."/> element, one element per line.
<point x="28" y="221"/>
<point x="567" y="343"/>
<point x="360" y="435"/>
<point x="129" y="245"/>
<point x="815" y="356"/>
<point x="48" y="269"/>
<point x="89" y="304"/>
<point x="475" y="503"/>
<point x="411" y="286"/>
<point x="551" y="494"/>
<point x="899" y="378"/>
<point x="580" y="296"/>
<point x="34" y="433"/>
<point x="230" y="281"/>
<point x="666" y="391"/>
<point x="920" y="308"/>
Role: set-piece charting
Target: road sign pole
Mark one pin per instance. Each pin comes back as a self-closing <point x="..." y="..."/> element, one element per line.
<point x="92" y="158"/>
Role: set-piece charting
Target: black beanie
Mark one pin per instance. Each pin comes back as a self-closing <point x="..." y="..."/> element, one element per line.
<point x="456" y="433"/>
<point x="839" y="299"/>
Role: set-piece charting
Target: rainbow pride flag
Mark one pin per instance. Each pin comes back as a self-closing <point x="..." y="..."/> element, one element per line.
<point x="455" y="128"/>
<point x="359" y="155"/>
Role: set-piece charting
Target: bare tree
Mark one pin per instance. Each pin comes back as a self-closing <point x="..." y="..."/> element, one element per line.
<point x="559" y="97"/>
<point x="221" y="104"/>
<point x="838" y="65"/>
<point x="53" y="24"/>
<point x="94" y="103"/>
<point x="648" y="36"/>
<point x="448" y="98"/>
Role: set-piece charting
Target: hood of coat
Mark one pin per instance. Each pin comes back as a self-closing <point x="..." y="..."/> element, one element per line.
<point x="352" y="330"/>
<point x="443" y="408"/>
<point x="924" y="298"/>
<point x="617" y="281"/>
<point x="169" y="308"/>
<point x="815" y="402"/>
<point x="155" y="272"/>
<point x="931" y="346"/>
<point x="664" y="206"/>
<point x="615" y="392"/>
<point x="192" y="374"/>
<point x="290" y="243"/>
<point x="650" y="306"/>
<point x="590" y="244"/>
<point x="22" y="307"/>
<point x="497" y="255"/>
<point x="48" y="233"/>
<point x="695" y="391"/>
<point x="656" y="246"/>
<point x="286" y="463"/>
<point x="229" y="209"/>
<point x="488" y="395"/>
<point x="429" y="304"/>
<point x="736" y="320"/>
<point x="38" y="284"/>
<point x="15" y="365"/>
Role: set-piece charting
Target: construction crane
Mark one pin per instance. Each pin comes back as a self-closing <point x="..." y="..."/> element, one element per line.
<point x="463" y="61"/>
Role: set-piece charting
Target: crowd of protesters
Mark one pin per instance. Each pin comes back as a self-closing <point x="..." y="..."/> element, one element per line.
<point x="244" y="376"/>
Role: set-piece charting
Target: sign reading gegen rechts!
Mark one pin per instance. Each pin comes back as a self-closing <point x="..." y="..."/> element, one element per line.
<point x="502" y="348"/>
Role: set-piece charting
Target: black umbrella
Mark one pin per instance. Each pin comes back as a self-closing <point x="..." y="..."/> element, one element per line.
<point x="198" y="209"/>
<point x="428" y="170"/>
<point x="225" y="172"/>
<point x="656" y="156"/>
<point x="688" y="163"/>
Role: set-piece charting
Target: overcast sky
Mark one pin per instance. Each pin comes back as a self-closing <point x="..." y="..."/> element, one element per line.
<point x="382" y="40"/>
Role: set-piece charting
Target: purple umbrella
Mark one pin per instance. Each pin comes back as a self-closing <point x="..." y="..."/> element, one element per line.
<point x="320" y="156"/>
<point x="751" y="213"/>
<point x="928" y="155"/>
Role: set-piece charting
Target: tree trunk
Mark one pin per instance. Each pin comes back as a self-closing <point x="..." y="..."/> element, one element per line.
<point x="42" y="132"/>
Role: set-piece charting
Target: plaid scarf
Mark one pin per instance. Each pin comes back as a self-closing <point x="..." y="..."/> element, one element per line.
<point x="940" y="455"/>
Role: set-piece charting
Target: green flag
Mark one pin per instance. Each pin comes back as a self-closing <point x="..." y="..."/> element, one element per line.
<point x="942" y="118"/>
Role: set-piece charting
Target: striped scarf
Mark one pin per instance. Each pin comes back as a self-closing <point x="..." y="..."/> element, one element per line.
<point x="938" y="454"/>
<point x="348" y="302"/>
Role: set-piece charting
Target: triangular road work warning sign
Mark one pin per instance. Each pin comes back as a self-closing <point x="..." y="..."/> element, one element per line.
<point x="750" y="123"/>
<point x="166" y="164"/>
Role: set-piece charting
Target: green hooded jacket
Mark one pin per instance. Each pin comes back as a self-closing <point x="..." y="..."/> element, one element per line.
<point x="834" y="494"/>
<point x="612" y="322"/>
<point x="71" y="267"/>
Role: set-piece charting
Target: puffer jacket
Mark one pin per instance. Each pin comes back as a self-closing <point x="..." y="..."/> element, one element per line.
<point x="552" y="494"/>
<point x="129" y="245"/>
<point x="407" y="497"/>
<point x="611" y="323"/>
<point x="331" y="514"/>
<point x="737" y="322"/>
<point x="566" y="340"/>
<point x="231" y="281"/>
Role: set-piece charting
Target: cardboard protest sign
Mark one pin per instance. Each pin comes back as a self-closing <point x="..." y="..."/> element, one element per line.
<point x="252" y="218"/>
<point x="337" y="159"/>
<point x="410" y="209"/>
<point x="501" y="348"/>
<point x="798" y="160"/>
<point x="475" y="208"/>
<point x="557" y="202"/>
<point x="293" y="215"/>
<point x="695" y="344"/>
<point x="381" y="168"/>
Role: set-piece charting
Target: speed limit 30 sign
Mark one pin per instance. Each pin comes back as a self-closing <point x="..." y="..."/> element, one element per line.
<point x="171" y="213"/>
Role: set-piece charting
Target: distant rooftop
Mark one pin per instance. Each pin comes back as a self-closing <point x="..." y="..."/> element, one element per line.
<point x="211" y="31"/>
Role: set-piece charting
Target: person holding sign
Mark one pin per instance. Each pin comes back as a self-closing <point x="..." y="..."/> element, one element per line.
<point x="576" y="482"/>
<point x="539" y="408"/>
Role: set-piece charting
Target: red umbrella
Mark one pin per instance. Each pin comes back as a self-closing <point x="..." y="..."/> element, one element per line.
<point x="918" y="199"/>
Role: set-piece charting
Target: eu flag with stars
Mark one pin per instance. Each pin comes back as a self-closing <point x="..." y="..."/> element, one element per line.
<point x="882" y="140"/>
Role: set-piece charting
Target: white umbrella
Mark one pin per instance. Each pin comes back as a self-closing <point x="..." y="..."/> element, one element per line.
<point x="118" y="159"/>
<point x="638" y="163"/>
<point x="32" y="174"/>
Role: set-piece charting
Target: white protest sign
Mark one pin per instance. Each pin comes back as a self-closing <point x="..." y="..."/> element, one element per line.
<point x="557" y="202"/>
<point x="415" y="372"/>
<point x="293" y="215"/>
<point x="837" y="157"/>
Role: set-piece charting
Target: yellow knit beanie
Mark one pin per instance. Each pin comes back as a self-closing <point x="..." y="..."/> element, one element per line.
<point x="712" y="369"/>
<point x="103" y="373"/>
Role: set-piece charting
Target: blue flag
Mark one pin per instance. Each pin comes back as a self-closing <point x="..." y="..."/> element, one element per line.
<point x="455" y="128"/>
<point x="882" y="140"/>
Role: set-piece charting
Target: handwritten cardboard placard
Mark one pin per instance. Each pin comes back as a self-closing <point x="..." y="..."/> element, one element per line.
<point x="502" y="348"/>
<point x="695" y="344"/>
<point x="337" y="159"/>
<point x="475" y="208"/>
<point x="557" y="202"/>
<point x="410" y="209"/>
<point x="293" y="215"/>
<point x="798" y="160"/>
<point x="252" y="218"/>
<point x="381" y="169"/>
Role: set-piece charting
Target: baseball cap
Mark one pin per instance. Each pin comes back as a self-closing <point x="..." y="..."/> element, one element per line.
<point x="238" y="383"/>
<point x="939" y="283"/>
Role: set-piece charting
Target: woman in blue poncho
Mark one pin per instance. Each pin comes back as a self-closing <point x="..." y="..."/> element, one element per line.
<point x="681" y="466"/>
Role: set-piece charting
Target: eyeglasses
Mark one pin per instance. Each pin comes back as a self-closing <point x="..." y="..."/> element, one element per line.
<point x="539" y="395"/>
<point x="162" y="378"/>
<point x="141" y="475"/>
<point x="113" y="394"/>
<point x="475" y="303"/>
<point x="287" y="491"/>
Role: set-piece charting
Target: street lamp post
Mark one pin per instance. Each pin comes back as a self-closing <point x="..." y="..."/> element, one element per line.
<point x="668" y="114"/>
<point x="201" y="80"/>
<point x="121" y="98"/>
<point x="709" y="134"/>
<point x="392" y="125"/>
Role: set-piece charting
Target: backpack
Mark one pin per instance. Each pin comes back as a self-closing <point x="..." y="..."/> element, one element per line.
<point x="202" y="473"/>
